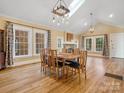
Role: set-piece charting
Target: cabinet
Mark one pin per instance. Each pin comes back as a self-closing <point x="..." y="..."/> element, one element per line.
<point x="69" y="37"/>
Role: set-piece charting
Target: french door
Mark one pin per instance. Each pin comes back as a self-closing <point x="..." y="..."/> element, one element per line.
<point x="88" y="43"/>
<point x="94" y="43"/>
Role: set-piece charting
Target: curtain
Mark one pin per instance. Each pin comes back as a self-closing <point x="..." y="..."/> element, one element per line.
<point x="106" y="46"/>
<point x="9" y="44"/>
<point x="82" y="42"/>
<point x="49" y="39"/>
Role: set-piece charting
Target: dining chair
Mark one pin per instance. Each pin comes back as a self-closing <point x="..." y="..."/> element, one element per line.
<point x="56" y="65"/>
<point x="64" y="50"/>
<point x="83" y="61"/>
<point x="44" y="59"/>
<point x="76" y="51"/>
<point x="80" y="65"/>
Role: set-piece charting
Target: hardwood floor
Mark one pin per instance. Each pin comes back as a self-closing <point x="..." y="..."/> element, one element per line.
<point x="29" y="79"/>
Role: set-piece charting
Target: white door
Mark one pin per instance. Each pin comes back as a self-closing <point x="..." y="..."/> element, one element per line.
<point x="117" y="45"/>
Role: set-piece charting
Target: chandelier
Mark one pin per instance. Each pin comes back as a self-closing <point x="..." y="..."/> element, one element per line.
<point x="60" y="12"/>
<point x="92" y="28"/>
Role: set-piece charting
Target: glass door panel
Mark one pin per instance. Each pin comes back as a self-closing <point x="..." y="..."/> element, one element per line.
<point x="88" y="43"/>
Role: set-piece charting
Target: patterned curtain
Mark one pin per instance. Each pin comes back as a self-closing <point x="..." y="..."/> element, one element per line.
<point x="49" y="39"/>
<point x="9" y="44"/>
<point x="82" y="42"/>
<point x="106" y="46"/>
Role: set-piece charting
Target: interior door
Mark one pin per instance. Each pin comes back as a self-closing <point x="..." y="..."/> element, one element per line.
<point x="117" y="45"/>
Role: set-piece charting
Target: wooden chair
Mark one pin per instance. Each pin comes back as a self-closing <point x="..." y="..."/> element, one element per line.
<point x="55" y="64"/>
<point x="76" y="51"/>
<point x="64" y="50"/>
<point x="80" y="65"/>
<point x="44" y="59"/>
<point x="83" y="61"/>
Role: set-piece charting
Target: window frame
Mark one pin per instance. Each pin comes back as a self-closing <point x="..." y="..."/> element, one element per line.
<point x="93" y="46"/>
<point x="25" y="29"/>
<point x="95" y="43"/>
<point x="61" y="44"/>
<point x="45" y="39"/>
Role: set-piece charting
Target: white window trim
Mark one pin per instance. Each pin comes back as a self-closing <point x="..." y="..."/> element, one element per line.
<point x="45" y="42"/>
<point x="27" y="29"/>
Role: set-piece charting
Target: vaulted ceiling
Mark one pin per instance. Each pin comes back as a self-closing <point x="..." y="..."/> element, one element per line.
<point x="39" y="11"/>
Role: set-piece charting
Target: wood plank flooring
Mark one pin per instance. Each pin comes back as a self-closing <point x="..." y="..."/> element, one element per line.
<point x="29" y="79"/>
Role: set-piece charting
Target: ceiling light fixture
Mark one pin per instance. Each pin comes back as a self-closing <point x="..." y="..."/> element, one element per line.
<point x="85" y="24"/>
<point x="111" y="15"/>
<point x="92" y="27"/>
<point x="60" y="12"/>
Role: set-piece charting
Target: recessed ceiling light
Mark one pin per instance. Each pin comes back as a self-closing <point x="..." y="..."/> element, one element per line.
<point x="111" y="15"/>
<point x="85" y="24"/>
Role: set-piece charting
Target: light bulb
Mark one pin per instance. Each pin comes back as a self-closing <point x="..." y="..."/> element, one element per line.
<point x="53" y="19"/>
<point x="58" y="24"/>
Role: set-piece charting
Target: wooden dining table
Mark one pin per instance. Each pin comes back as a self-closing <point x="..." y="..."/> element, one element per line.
<point x="68" y="56"/>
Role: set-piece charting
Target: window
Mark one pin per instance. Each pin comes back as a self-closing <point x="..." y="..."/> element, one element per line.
<point x="23" y="44"/>
<point x="88" y="44"/>
<point x="99" y="43"/>
<point x="22" y="41"/>
<point x="39" y="42"/>
<point x="59" y="43"/>
<point x="94" y="43"/>
<point x="75" y="5"/>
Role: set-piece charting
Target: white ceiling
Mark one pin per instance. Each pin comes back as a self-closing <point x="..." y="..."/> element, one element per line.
<point x="39" y="11"/>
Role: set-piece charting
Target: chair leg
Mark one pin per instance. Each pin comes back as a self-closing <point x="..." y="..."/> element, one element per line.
<point x="85" y="74"/>
<point x="50" y="72"/>
<point x="45" y="69"/>
<point x="57" y="73"/>
<point x="72" y="70"/>
<point x="41" y="67"/>
<point x="79" y="75"/>
<point x="75" y="71"/>
<point x="66" y="72"/>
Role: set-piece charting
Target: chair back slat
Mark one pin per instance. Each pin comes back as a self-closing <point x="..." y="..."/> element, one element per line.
<point x="64" y="50"/>
<point x="53" y="58"/>
<point x="42" y="55"/>
<point x="83" y="59"/>
<point x="76" y="51"/>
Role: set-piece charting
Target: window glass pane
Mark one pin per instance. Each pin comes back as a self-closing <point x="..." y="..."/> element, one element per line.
<point x="89" y="44"/>
<point x="99" y="44"/>
<point x="59" y="43"/>
<point x="39" y="42"/>
<point x="21" y="42"/>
